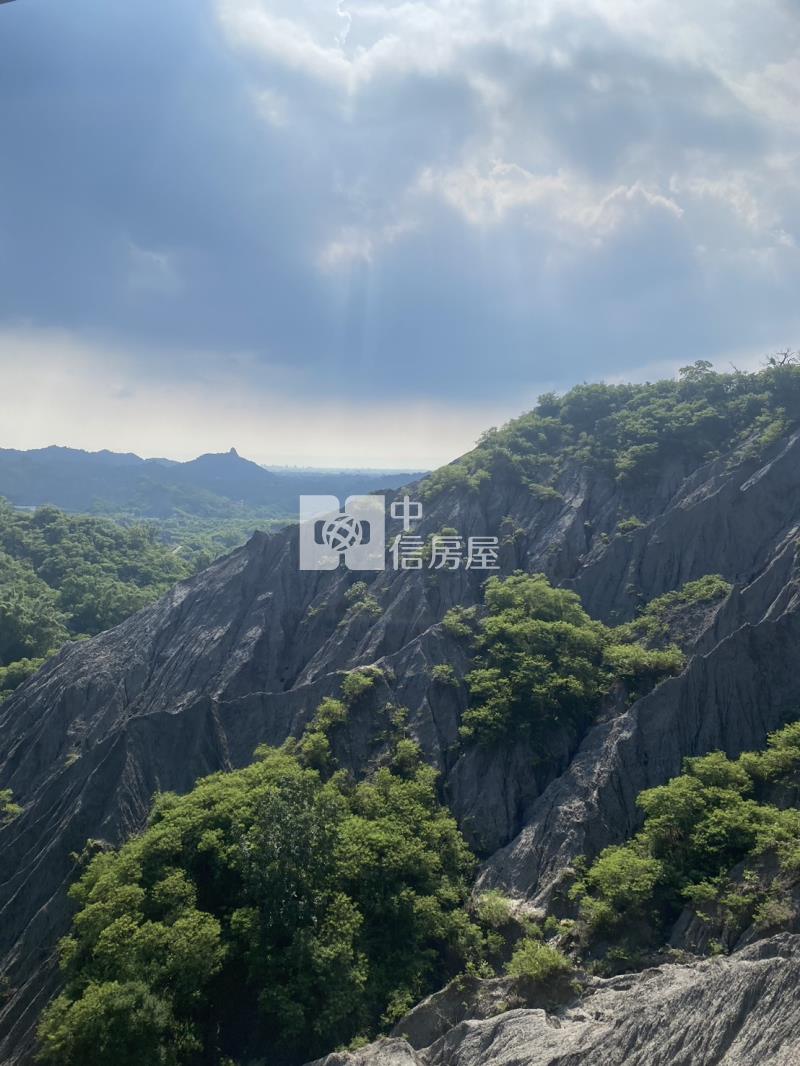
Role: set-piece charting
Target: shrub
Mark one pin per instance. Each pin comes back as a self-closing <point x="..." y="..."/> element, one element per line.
<point x="357" y="682"/>
<point x="628" y="431"/>
<point x="628" y="525"/>
<point x="330" y="712"/>
<point x="537" y="961"/>
<point x="781" y="758"/>
<point x="618" y="886"/>
<point x="697" y="827"/>
<point x="12" y="676"/>
<point x="642" y="668"/>
<point x="407" y="757"/>
<point x="314" y="750"/>
<point x="773" y="913"/>
<point x="667" y="616"/>
<point x="493" y="909"/>
<point x="8" y="809"/>
<point x="361" y="601"/>
<point x="444" y="674"/>
<point x="459" y="622"/>
<point x="543" y="493"/>
<point x="118" y="1023"/>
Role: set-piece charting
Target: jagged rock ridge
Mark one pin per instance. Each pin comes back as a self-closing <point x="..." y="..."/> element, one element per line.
<point x="243" y="653"/>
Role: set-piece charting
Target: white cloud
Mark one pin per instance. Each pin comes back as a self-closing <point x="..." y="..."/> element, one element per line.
<point x="273" y="106"/>
<point x="62" y="389"/>
<point x="567" y="187"/>
<point x="251" y="26"/>
<point x="353" y="245"/>
<point x="561" y="199"/>
<point x="647" y="71"/>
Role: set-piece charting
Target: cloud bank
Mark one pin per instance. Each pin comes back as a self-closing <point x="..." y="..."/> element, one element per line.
<point x="433" y="205"/>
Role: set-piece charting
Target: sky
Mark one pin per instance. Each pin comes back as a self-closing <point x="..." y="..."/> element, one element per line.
<point x="359" y="233"/>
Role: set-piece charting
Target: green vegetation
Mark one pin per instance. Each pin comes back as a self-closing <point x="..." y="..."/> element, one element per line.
<point x="629" y="430"/>
<point x="460" y="621"/>
<point x="493" y="909"/>
<point x="673" y="616"/>
<point x="8" y="809"/>
<point x="628" y="525"/>
<point x="536" y="961"/>
<point x="314" y="748"/>
<point x="361" y="602"/>
<point x="199" y="541"/>
<point x="444" y="674"/>
<point x="268" y="912"/>
<point x="443" y="541"/>
<point x="63" y="577"/>
<point x="698" y="827"/>
<point x="278" y="911"/>
<point x="357" y="682"/>
<point x="14" y="674"/>
<point x="541" y="661"/>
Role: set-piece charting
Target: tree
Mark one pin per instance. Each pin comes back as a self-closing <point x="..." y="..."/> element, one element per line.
<point x="697" y="828"/>
<point x="268" y="912"/>
<point x="542" y="662"/>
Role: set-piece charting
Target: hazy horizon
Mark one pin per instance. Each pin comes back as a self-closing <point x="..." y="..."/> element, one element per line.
<point x="364" y="232"/>
<point x="273" y="467"/>
<point x="427" y="438"/>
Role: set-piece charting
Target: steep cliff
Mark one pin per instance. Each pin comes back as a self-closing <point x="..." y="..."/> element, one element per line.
<point x="243" y="653"/>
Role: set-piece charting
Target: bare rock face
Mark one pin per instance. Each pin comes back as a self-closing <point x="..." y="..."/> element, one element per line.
<point x="243" y="653"/>
<point x="471" y="999"/>
<point x="382" y="1053"/>
<point x="740" y="684"/>
<point x="733" y="1011"/>
<point x="728" y="699"/>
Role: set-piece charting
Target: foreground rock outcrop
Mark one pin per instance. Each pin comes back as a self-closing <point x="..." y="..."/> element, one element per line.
<point x="734" y="1011"/>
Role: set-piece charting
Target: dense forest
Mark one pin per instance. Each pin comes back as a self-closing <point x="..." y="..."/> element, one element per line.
<point x="269" y="907"/>
<point x="66" y="577"/>
<point x="629" y="430"/>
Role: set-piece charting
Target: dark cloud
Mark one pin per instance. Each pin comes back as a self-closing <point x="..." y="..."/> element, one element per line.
<point x="460" y="214"/>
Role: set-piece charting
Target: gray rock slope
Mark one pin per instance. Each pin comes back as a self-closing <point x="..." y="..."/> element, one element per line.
<point x="734" y="1011"/>
<point x="242" y="654"/>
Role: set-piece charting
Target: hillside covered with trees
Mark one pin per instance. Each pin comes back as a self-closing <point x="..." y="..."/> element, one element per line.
<point x="67" y="577"/>
<point x="630" y="430"/>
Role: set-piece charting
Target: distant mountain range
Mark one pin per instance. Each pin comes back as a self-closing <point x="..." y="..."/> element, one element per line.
<point x="213" y="485"/>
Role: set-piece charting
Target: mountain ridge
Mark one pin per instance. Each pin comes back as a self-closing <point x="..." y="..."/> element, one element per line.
<point x="214" y="484"/>
<point x="243" y="653"/>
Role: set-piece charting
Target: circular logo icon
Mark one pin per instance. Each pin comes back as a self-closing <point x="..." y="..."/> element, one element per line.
<point x="341" y="533"/>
